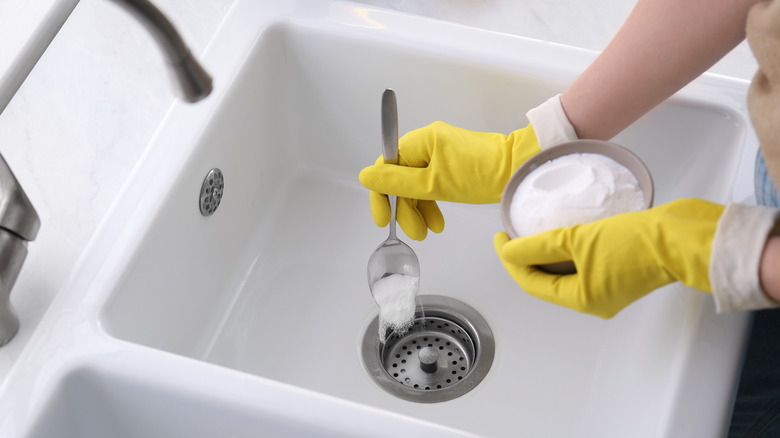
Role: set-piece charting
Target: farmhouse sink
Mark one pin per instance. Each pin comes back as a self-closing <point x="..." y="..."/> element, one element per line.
<point x="255" y="313"/>
<point x="110" y="398"/>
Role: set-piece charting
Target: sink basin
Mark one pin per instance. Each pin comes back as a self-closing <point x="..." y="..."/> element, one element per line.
<point x="102" y="399"/>
<point x="78" y="408"/>
<point x="268" y="298"/>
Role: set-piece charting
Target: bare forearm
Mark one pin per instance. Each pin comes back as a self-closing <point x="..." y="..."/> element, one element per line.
<point x="663" y="45"/>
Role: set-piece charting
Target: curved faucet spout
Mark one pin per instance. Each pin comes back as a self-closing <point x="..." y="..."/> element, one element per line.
<point x="192" y="80"/>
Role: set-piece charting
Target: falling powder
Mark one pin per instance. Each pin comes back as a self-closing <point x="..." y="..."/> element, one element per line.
<point x="395" y="294"/>
<point x="573" y="189"/>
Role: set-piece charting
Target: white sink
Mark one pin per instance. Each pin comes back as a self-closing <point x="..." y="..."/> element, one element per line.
<point x="249" y="314"/>
<point x="139" y="397"/>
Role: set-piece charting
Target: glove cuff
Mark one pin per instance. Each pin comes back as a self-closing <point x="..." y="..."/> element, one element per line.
<point x="736" y="253"/>
<point x="551" y="125"/>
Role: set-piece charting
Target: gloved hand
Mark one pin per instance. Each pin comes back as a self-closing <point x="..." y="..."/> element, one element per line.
<point x="619" y="259"/>
<point x="441" y="162"/>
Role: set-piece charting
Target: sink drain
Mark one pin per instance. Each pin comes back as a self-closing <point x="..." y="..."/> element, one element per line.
<point x="445" y="354"/>
<point x="211" y="192"/>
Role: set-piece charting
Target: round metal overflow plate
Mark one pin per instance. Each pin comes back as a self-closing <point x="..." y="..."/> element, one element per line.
<point x="211" y="192"/>
<point x="446" y="353"/>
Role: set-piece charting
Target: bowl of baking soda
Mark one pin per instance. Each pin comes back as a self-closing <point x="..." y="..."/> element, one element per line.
<point x="574" y="183"/>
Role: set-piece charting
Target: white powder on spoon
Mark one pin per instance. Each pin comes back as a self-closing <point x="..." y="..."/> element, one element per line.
<point x="573" y="189"/>
<point x="395" y="295"/>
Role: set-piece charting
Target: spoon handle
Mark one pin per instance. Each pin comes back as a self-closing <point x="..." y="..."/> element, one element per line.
<point x="390" y="143"/>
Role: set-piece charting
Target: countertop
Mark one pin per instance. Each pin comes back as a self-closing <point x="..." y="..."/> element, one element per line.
<point x="81" y="121"/>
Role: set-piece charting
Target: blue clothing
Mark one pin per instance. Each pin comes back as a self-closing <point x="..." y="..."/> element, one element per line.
<point x="757" y="407"/>
<point x="766" y="193"/>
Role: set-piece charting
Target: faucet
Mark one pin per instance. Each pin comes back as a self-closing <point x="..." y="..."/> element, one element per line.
<point x="19" y="222"/>
<point x="190" y="78"/>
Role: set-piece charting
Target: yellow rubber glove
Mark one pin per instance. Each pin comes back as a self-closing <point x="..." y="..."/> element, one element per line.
<point x="619" y="259"/>
<point x="441" y="162"/>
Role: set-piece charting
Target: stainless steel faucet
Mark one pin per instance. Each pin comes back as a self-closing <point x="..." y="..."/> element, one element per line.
<point x="191" y="79"/>
<point x="19" y="222"/>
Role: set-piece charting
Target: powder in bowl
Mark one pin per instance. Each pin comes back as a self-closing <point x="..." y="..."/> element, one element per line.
<point x="573" y="189"/>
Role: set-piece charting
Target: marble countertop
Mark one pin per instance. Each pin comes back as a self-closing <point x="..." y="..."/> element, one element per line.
<point x="80" y="122"/>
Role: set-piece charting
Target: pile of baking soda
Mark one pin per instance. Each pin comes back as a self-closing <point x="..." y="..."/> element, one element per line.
<point x="395" y="295"/>
<point x="573" y="189"/>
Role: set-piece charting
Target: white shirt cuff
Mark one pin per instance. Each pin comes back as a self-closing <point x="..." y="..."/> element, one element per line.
<point x="736" y="254"/>
<point x="550" y="123"/>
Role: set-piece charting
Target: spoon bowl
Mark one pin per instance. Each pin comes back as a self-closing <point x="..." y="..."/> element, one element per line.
<point x="392" y="257"/>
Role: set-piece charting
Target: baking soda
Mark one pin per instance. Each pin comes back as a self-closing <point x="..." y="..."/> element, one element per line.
<point x="573" y="189"/>
<point x="395" y="295"/>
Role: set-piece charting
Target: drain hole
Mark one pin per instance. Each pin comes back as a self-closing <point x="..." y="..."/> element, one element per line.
<point x="211" y="191"/>
<point x="428" y="375"/>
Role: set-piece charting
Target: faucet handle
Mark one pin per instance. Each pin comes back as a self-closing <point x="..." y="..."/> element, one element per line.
<point x="17" y="213"/>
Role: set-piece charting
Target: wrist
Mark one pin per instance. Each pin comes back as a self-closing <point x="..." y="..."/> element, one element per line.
<point x="769" y="268"/>
<point x="550" y="123"/>
<point x="737" y="259"/>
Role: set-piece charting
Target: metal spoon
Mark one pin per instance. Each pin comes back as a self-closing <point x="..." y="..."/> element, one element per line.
<point x="392" y="256"/>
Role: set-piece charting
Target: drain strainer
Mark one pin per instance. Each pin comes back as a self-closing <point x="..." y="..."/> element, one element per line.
<point x="211" y="192"/>
<point x="445" y="354"/>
